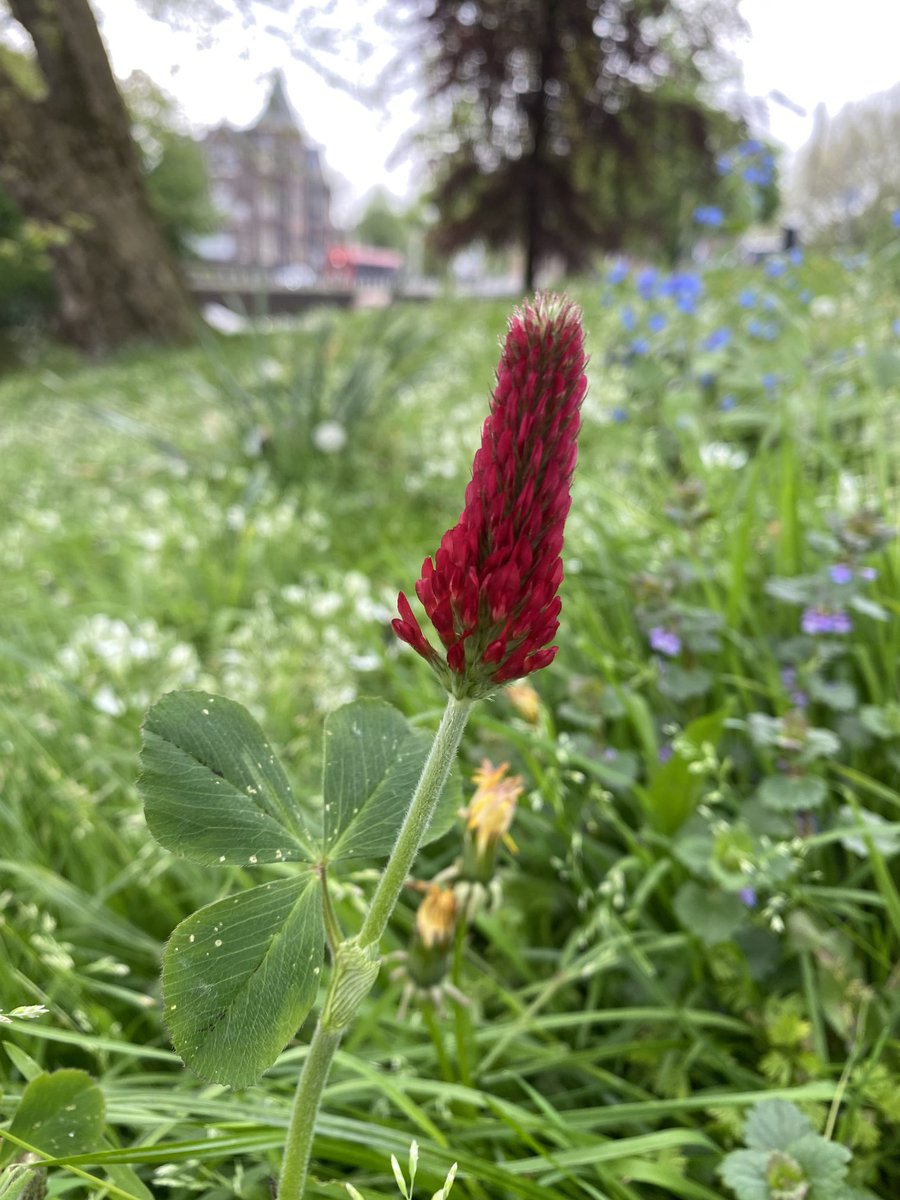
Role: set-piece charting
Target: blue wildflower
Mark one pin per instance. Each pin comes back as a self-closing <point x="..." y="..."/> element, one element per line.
<point x="840" y="573"/>
<point x="770" y="381"/>
<point x="640" y="346"/>
<point x="748" y="896"/>
<point x="656" y="322"/>
<point x="750" y="147"/>
<point x="618" y="272"/>
<point x="774" y="268"/>
<point x="646" y="283"/>
<point x="747" y="298"/>
<point x="710" y="215"/>
<point x="619" y="415"/>
<point x="723" y="164"/>
<point x="686" y="289"/>
<point x="728" y="402"/>
<point x="895" y="218"/>
<point x="628" y="319"/>
<point x="717" y="340"/>
<point x="757" y="176"/>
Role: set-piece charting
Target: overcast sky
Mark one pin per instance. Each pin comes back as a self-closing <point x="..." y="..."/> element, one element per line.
<point x="809" y="51"/>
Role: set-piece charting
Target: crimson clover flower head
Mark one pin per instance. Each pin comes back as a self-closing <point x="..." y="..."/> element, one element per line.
<point x="490" y="590"/>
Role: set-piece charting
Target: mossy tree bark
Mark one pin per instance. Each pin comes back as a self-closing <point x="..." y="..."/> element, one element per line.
<point x="67" y="158"/>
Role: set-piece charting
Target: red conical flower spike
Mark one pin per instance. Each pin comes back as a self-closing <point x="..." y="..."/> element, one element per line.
<point x="490" y="590"/>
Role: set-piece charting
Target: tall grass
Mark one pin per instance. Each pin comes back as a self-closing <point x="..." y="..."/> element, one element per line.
<point x="704" y="906"/>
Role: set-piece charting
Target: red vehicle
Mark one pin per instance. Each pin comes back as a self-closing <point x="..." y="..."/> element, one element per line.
<point x="362" y="266"/>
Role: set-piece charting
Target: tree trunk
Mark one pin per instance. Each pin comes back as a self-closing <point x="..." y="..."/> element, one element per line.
<point x="68" y="159"/>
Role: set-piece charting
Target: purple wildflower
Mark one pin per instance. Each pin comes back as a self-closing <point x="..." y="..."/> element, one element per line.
<point x="840" y="573"/>
<point x="665" y="641"/>
<point x="821" y="620"/>
<point x="748" y="896"/>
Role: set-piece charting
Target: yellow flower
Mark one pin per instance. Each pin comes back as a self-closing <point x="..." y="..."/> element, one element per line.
<point x="525" y="701"/>
<point x="492" y="808"/>
<point x="436" y="917"/>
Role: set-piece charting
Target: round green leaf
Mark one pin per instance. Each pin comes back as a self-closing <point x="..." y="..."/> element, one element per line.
<point x="61" y="1114"/>
<point x="792" y="793"/>
<point x="373" y="760"/>
<point x="213" y="790"/>
<point x="712" y="916"/>
<point x="240" y="975"/>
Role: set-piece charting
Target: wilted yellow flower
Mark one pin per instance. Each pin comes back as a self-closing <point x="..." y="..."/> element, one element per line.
<point x="525" y="701"/>
<point x="493" y="807"/>
<point x="436" y="916"/>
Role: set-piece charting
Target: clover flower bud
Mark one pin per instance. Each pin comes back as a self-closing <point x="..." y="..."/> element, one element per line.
<point x="490" y="590"/>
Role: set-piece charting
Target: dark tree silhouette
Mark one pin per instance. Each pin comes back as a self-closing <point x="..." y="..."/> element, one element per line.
<point x="572" y="122"/>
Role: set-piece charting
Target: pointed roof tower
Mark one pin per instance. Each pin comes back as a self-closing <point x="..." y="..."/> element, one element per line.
<point x="278" y="114"/>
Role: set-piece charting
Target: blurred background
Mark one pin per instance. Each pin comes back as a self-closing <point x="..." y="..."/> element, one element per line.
<point x="285" y="147"/>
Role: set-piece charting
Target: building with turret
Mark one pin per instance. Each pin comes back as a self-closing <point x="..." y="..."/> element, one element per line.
<point x="268" y="185"/>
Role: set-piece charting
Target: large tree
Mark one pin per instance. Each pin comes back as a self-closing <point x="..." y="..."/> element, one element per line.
<point x="573" y="122"/>
<point x="68" y="159"/>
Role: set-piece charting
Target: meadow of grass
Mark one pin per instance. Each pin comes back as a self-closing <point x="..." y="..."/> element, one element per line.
<point x="704" y="909"/>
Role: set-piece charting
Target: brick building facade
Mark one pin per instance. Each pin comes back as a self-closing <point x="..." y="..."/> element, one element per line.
<point x="268" y="184"/>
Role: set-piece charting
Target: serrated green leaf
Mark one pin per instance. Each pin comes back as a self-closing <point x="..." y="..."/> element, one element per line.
<point x="61" y="1114"/>
<point x="776" y="1125"/>
<point x="824" y="1163"/>
<point x="240" y="975"/>
<point x="792" y="793"/>
<point x="213" y="790"/>
<point x="744" y="1171"/>
<point x="712" y="916"/>
<point x="372" y="763"/>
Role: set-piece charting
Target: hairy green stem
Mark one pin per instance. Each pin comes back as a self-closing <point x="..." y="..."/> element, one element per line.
<point x="302" y="1128"/>
<point x="418" y="818"/>
<point x="355" y="964"/>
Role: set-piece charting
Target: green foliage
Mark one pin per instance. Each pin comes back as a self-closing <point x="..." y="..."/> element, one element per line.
<point x="372" y="762"/>
<point x="59" y="1114"/>
<point x="567" y="127"/>
<point x="786" y="1159"/>
<point x="607" y="1046"/>
<point x="382" y="225"/>
<point x="338" y="387"/>
<point x="213" y="790"/>
<point x="174" y="167"/>
<point x="240" y="976"/>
